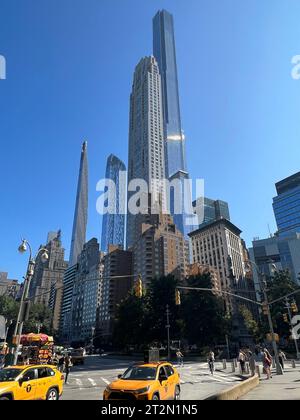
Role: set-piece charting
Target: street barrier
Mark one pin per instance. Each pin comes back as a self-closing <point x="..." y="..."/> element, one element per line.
<point x="236" y="391"/>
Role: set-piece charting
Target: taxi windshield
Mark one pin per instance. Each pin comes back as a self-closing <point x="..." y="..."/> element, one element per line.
<point x="9" y="375"/>
<point x="140" y="373"/>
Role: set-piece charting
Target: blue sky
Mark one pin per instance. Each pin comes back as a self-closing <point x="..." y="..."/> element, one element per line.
<point x="69" y="73"/>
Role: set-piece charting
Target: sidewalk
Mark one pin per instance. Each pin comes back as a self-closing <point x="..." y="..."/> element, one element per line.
<point x="285" y="387"/>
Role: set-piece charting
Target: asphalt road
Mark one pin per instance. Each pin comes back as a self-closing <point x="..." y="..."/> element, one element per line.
<point x="89" y="381"/>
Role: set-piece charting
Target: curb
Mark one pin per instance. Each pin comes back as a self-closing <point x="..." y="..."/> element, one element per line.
<point x="236" y="391"/>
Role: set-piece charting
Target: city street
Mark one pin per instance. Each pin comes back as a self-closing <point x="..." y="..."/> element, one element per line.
<point x="89" y="381"/>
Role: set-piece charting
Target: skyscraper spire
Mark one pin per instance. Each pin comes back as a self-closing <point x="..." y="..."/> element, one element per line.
<point x="81" y="209"/>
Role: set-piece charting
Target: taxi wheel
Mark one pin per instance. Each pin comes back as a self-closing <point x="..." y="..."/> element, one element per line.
<point x="177" y="393"/>
<point x="155" y="397"/>
<point x="4" y="399"/>
<point x="52" y="395"/>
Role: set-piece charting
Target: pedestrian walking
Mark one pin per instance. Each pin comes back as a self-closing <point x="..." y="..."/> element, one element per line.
<point x="211" y="362"/>
<point x="251" y="358"/>
<point x="242" y="360"/>
<point x="68" y="364"/>
<point x="179" y="356"/>
<point x="267" y="362"/>
<point x="61" y="362"/>
<point x="282" y="358"/>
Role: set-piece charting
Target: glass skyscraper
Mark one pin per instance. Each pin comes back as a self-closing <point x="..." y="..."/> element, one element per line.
<point x="209" y="210"/>
<point x="113" y="225"/>
<point x="287" y="205"/>
<point x="81" y="209"/>
<point x="164" y="51"/>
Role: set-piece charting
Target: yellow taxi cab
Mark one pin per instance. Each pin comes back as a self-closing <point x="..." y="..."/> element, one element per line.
<point x="35" y="382"/>
<point x="146" y="381"/>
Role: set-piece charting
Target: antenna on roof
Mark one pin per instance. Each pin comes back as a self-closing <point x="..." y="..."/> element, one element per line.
<point x="269" y="231"/>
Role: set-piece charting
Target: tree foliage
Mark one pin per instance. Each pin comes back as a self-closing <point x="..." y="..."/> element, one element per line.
<point x="281" y="284"/>
<point x="39" y="314"/>
<point x="200" y="319"/>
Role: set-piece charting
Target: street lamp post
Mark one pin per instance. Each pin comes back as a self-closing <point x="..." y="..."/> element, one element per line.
<point x="27" y="280"/>
<point x="168" y="331"/>
<point x="262" y="281"/>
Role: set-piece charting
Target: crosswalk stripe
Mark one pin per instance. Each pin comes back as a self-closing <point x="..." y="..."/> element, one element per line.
<point x="79" y="383"/>
<point x="105" y="380"/>
<point x="92" y="381"/>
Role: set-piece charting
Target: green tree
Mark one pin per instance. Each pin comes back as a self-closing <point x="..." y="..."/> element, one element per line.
<point x="160" y="293"/>
<point x="204" y="315"/>
<point x="39" y="314"/>
<point x="129" y="326"/>
<point x="9" y="309"/>
<point x="251" y="324"/>
<point x="278" y="286"/>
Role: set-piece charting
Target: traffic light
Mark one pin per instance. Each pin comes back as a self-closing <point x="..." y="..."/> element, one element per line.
<point x="139" y="287"/>
<point x="286" y="318"/>
<point x="177" y="297"/>
<point x="294" y="307"/>
<point x="265" y="309"/>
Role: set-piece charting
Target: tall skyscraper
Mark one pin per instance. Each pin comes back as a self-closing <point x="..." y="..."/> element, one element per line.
<point x="164" y="50"/>
<point x="287" y="205"/>
<point x="146" y="158"/>
<point x="113" y="225"/>
<point x="81" y="209"/>
<point x="165" y="53"/>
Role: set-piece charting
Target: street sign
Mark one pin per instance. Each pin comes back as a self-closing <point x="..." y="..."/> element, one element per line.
<point x="2" y="327"/>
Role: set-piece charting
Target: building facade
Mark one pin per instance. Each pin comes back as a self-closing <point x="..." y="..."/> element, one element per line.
<point x="198" y="269"/>
<point x="86" y="293"/>
<point x="9" y="287"/>
<point x="66" y="305"/>
<point x="117" y="283"/>
<point x="146" y="158"/>
<point x="219" y="246"/>
<point x="47" y="281"/>
<point x="286" y="205"/>
<point x="113" y="223"/>
<point x="283" y="251"/>
<point x="81" y="209"/>
<point x="160" y="249"/>
<point x="49" y="273"/>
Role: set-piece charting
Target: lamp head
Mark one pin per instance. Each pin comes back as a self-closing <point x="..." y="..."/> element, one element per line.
<point x="23" y="247"/>
<point x="44" y="257"/>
